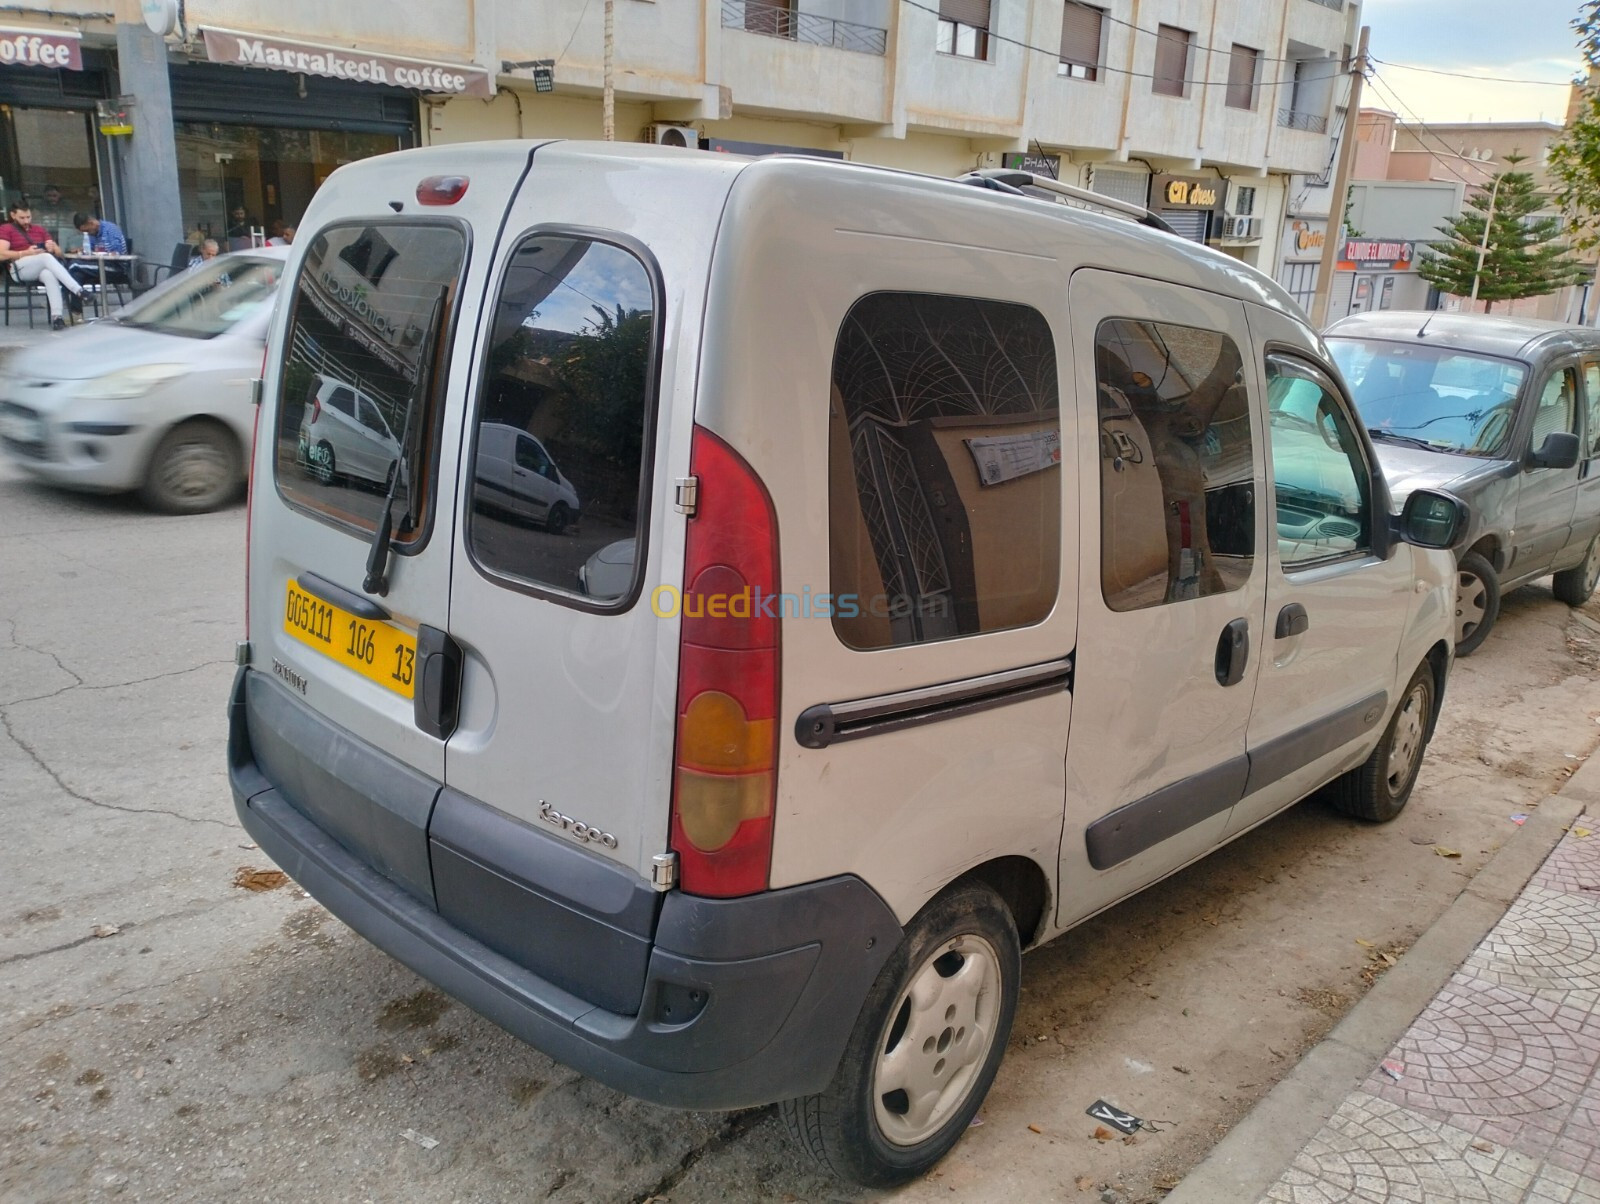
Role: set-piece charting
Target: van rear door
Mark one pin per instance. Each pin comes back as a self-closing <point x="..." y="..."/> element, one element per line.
<point x="381" y="282"/>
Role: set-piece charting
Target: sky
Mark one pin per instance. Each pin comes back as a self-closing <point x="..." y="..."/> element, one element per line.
<point x="1514" y="39"/>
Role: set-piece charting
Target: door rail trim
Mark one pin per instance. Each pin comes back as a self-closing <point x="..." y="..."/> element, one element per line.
<point x="834" y="722"/>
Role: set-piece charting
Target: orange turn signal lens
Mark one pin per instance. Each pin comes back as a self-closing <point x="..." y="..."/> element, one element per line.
<point x="714" y="735"/>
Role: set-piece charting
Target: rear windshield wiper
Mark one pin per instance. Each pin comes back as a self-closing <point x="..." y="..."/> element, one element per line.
<point x="1408" y="440"/>
<point x="377" y="579"/>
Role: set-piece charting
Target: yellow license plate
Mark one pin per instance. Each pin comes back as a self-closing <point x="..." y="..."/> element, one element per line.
<point x="379" y="651"/>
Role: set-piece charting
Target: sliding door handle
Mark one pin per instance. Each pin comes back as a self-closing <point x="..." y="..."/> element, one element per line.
<point x="1292" y="620"/>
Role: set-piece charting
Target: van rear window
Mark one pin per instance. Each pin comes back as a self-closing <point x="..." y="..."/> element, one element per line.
<point x="365" y="352"/>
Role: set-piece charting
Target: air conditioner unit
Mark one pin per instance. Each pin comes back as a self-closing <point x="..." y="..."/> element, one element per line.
<point x="673" y="135"/>
<point x="1241" y="227"/>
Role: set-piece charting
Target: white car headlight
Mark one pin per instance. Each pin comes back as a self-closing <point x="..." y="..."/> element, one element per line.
<point x="131" y="382"/>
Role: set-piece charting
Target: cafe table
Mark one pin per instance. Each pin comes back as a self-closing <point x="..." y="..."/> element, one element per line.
<point x="103" y="258"/>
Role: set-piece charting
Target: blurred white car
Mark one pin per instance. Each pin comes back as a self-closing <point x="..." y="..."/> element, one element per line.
<point x="155" y="398"/>
<point x="609" y="572"/>
<point x="343" y="433"/>
<point x="516" y="474"/>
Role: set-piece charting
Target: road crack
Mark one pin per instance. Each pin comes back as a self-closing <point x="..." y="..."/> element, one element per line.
<point x="37" y="759"/>
<point x="732" y="1129"/>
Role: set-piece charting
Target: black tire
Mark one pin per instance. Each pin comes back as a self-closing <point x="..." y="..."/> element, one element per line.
<point x="1379" y="790"/>
<point x="1575" y="586"/>
<point x="323" y="467"/>
<point x="195" y="468"/>
<point x="964" y="931"/>
<point x="556" y="521"/>
<point x="1477" y="602"/>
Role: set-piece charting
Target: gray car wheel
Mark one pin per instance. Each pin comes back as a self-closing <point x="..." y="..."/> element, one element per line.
<point x="195" y="468"/>
<point x="1575" y="586"/>
<point x="1477" y="602"/>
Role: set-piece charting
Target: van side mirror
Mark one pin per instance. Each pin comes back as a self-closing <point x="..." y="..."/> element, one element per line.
<point x="1560" y="450"/>
<point x="1433" y="520"/>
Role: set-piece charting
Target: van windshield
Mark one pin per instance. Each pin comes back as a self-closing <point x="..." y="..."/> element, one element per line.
<point x="362" y="354"/>
<point x="209" y="300"/>
<point x="1440" y="398"/>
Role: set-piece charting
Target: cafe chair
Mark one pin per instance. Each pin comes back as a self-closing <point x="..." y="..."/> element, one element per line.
<point x="182" y="253"/>
<point x="29" y="293"/>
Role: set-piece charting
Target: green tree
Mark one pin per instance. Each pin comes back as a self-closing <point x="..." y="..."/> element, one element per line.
<point x="1575" y="159"/>
<point x="1525" y="257"/>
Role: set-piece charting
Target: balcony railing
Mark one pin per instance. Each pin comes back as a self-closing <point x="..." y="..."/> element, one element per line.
<point x="781" y="21"/>
<point x="1336" y="5"/>
<point x="1291" y="120"/>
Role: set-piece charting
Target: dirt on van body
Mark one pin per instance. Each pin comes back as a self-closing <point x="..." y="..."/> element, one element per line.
<point x="167" y="1036"/>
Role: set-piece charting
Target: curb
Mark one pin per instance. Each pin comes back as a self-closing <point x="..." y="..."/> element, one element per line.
<point x="1253" y="1156"/>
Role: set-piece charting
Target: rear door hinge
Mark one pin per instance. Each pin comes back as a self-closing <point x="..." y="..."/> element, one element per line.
<point x="664" y="871"/>
<point x="686" y="496"/>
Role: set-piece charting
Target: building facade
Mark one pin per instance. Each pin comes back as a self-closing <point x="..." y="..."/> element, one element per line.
<point x="220" y="117"/>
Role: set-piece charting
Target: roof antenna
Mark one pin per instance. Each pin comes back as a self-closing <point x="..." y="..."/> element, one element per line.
<point x="1423" y="332"/>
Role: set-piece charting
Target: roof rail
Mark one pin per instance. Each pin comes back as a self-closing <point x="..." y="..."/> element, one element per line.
<point x="1001" y="179"/>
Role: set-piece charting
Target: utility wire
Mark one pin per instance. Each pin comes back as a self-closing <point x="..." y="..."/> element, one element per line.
<point x="1202" y="83"/>
<point x="1387" y="89"/>
<point x="1488" y="79"/>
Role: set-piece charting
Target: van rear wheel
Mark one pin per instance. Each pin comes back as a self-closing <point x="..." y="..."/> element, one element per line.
<point x="1575" y="586"/>
<point x="925" y="1048"/>
<point x="1379" y="790"/>
<point x="558" y="518"/>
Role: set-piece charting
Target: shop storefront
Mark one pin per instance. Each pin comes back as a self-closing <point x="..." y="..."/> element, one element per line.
<point x="261" y="125"/>
<point x="1303" y="240"/>
<point x="50" y="152"/>
<point x="1191" y="205"/>
<point x="1378" y="274"/>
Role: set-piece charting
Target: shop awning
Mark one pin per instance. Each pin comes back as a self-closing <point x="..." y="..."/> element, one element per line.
<point x="35" y="46"/>
<point x="335" y="62"/>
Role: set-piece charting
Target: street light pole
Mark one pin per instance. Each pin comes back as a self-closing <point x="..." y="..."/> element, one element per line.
<point x="1483" y="243"/>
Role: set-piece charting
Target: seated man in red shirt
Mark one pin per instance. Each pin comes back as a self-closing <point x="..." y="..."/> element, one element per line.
<point x="30" y="255"/>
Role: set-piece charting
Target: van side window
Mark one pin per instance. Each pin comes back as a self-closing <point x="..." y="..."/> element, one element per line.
<point x="944" y="482"/>
<point x="377" y="334"/>
<point x="1177" y="496"/>
<point x="1322" y="487"/>
<point x="1557" y="412"/>
<point x="563" y="419"/>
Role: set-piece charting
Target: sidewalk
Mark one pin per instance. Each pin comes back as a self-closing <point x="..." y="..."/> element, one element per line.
<point x="1490" y="1092"/>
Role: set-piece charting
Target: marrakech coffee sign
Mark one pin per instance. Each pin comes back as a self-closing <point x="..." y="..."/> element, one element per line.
<point x="21" y="47"/>
<point x="328" y="62"/>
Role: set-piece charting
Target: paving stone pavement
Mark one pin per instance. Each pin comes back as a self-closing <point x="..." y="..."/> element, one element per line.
<point x="1495" y="1095"/>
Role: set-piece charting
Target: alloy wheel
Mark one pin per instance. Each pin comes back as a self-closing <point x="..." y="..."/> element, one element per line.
<point x="1472" y="603"/>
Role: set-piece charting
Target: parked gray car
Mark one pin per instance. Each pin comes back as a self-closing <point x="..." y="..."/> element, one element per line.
<point x="1504" y="413"/>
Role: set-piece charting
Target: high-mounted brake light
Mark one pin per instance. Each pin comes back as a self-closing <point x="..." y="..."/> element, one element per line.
<point x="442" y="190"/>
<point x="725" y="767"/>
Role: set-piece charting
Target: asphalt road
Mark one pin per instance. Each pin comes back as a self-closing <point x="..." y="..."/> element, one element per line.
<point x="168" y="1035"/>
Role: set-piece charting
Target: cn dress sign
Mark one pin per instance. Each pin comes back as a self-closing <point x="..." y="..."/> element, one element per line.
<point x="329" y="62"/>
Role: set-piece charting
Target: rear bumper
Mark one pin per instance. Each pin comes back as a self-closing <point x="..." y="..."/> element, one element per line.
<point x="746" y="1001"/>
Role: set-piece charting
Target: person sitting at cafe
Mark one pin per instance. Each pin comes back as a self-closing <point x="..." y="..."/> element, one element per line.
<point x="100" y="237"/>
<point x="54" y="212"/>
<point x="30" y="255"/>
<point x="209" y="249"/>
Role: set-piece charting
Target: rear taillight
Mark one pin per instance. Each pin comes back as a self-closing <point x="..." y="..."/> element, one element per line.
<point x="250" y="483"/>
<point x="725" y="767"/>
<point x="316" y="410"/>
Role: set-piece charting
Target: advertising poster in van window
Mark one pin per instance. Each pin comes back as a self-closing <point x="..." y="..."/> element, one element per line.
<point x="1006" y="457"/>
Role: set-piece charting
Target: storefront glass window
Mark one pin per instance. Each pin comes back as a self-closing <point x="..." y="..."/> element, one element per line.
<point x="41" y="148"/>
<point x="233" y="179"/>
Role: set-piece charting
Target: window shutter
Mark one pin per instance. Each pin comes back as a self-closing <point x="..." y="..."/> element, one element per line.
<point x="1080" y="34"/>
<point x="1172" y="60"/>
<point x="967" y="12"/>
<point x="1242" y="77"/>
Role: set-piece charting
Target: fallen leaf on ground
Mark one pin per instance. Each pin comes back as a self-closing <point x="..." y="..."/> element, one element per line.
<point x="106" y="929"/>
<point x="1363" y="944"/>
<point x="1183" y="1070"/>
<point x="1483" y="1147"/>
<point x="1101" y="1133"/>
<point x="1389" y="959"/>
<point x="1444" y="852"/>
<point x="1085" y="1183"/>
<point x="1580" y="833"/>
<point x="1423" y="840"/>
<point x="251" y="878"/>
<point x="1035" y="1129"/>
